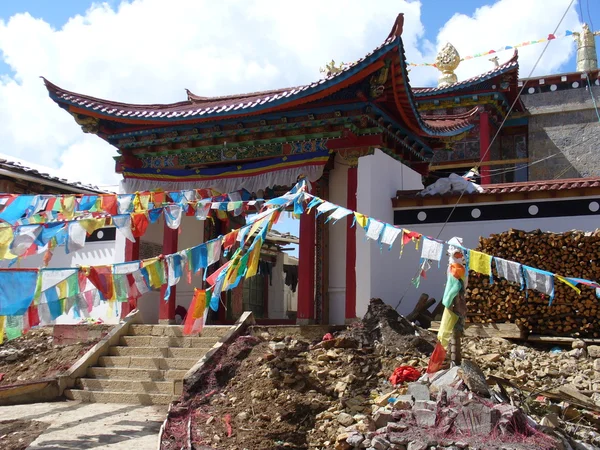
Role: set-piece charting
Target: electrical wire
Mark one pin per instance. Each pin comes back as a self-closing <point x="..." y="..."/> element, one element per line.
<point x="589" y="15"/>
<point x="507" y="114"/>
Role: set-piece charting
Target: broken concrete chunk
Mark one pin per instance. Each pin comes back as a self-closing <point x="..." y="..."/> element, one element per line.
<point x="403" y="402"/>
<point x="424" y="417"/>
<point x="418" y="391"/>
<point x="594" y="351"/>
<point x="382" y="418"/>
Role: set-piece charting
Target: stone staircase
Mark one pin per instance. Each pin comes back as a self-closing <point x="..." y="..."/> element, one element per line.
<point x="147" y="367"/>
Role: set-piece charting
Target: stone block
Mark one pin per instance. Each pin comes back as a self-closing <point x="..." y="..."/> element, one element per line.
<point x="355" y="439"/>
<point x="417" y="445"/>
<point x="380" y="443"/>
<point x="418" y="391"/>
<point x="425" y="404"/>
<point x="382" y="418"/>
<point x="424" y="418"/>
<point x="594" y="351"/>
<point x="403" y="402"/>
<point x="477" y="418"/>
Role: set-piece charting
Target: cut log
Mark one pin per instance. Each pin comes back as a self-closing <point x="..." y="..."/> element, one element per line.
<point x="500" y="330"/>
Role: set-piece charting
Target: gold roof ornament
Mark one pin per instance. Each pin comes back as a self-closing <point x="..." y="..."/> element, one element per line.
<point x="446" y="61"/>
<point x="587" y="59"/>
<point x="495" y="60"/>
<point x="331" y="68"/>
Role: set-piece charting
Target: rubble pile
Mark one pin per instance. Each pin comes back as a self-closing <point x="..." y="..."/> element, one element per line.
<point x="336" y="394"/>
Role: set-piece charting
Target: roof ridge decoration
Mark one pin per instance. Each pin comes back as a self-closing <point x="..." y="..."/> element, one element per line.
<point x="510" y="65"/>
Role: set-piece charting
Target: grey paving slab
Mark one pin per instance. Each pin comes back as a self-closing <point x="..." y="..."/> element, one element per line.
<point x="98" y="426"/>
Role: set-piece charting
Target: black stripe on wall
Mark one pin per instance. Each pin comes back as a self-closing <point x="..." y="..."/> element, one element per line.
<point x="102" y="235"/>
<point x="500" y="211"/>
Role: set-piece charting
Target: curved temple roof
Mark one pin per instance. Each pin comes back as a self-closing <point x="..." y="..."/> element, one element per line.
<point x="201" y="109"/>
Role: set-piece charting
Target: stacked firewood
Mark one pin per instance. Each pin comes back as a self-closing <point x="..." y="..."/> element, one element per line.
<point x="571" y="254"/>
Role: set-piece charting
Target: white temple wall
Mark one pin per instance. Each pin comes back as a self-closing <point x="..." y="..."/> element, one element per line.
<point x="379" y="272"/>
<point x="338" y="192"/>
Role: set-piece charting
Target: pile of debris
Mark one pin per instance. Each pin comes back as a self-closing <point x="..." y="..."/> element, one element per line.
<point x="269" y="392"/>
<point x="36" y="355"/>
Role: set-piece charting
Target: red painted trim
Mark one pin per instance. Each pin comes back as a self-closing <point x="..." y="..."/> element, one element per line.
<point x="352" y="140"/>
<point x="484" y="143"/>
<point x="306" y="266"/>
<point x="351" y="245"/>
<point x="132" y="253"/>
<point x="166" y="310"/>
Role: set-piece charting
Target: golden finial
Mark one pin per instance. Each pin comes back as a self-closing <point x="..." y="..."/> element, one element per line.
<point x="587" y="59"/>
<point x="446" y="62"/>
<point x="331" y="68"/>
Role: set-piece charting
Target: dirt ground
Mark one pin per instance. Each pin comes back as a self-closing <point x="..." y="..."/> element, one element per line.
<point x="18" y="434"/>
<point x="268" y="392"/>
<point x="34" y="356"/>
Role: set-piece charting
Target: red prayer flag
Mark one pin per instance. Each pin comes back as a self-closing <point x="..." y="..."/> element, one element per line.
<point x="213" y="278"/>
<point x="408" y="236"/>
<point x="102" y="278"/>
<point x="109" y="204"/>
<point x="139" y="224"/>
<point x="32" y="315"/>
<point x="229" y="239"/>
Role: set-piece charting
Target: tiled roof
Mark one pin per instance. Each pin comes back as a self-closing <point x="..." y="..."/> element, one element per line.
<point x="17" y="167"/>
<point x="451" y="122"/>
<point x="201" y="107"/>
<point x="197" y="107"/>
<point x="511" y="64"/>
<point x="526" y="186"/>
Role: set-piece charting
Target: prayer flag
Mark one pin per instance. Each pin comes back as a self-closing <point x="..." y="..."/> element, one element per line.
<point x="480" y="262"/>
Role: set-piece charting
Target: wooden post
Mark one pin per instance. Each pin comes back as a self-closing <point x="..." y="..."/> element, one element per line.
<point x="484" y="143"/>
<point x="132" y="253"/>
<point x="350" y="314"/>
<point x="166" y="312"/>
<point x="455" y="348"/>
<point x="306" y="269"/>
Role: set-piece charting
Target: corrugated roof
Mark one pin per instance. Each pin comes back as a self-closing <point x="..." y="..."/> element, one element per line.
<point x="21" y="167"/>
<point x="509" y="188"/>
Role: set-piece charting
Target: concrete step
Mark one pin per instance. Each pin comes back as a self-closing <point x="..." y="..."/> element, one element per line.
<point x="175" y="330"/>
<point x="135" y="374"/>
<point x="119" y="397"/>
<point x="129" y="386"/>
<point x="168" y="341"/>
<point x="147" y="362"/>
<point x="155" y="352"/>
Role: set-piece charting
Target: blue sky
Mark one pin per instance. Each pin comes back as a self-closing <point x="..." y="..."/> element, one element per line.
<point x="149" y="51"/>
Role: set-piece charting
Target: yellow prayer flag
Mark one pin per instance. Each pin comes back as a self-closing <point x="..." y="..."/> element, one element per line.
<point x="2" y="322"/>
<point x="253" y="260"/>
<point x="361" y="219"/>
<point x="68" y="206"/>
<point x="154" y="276"/>
<point x="480" y="262"/>
<point x="199" y="303"/>
<point x="447" y="325"/>
<point x="62" y="289"/>
<point x="568" y="283"/>
<point x="91" y="225"/>
<point x="6" y="238"/>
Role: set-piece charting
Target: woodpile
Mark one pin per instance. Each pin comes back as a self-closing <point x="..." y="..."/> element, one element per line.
<point x="571" y="254"/>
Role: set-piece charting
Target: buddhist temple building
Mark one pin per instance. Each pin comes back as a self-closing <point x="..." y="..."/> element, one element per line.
<point x="359" y="135"/>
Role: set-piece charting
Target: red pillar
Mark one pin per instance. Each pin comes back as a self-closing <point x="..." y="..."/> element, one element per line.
<point x="351" y="246"/>
<point x="166" y="313"/>
<point x="132" y="253"/>
<point x="306" y="268"/>
<point x="484" y="143"/>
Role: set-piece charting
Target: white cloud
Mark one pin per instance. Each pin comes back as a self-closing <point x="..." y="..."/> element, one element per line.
<point x="150" y="50"/>
<point x="510" y="22"/>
